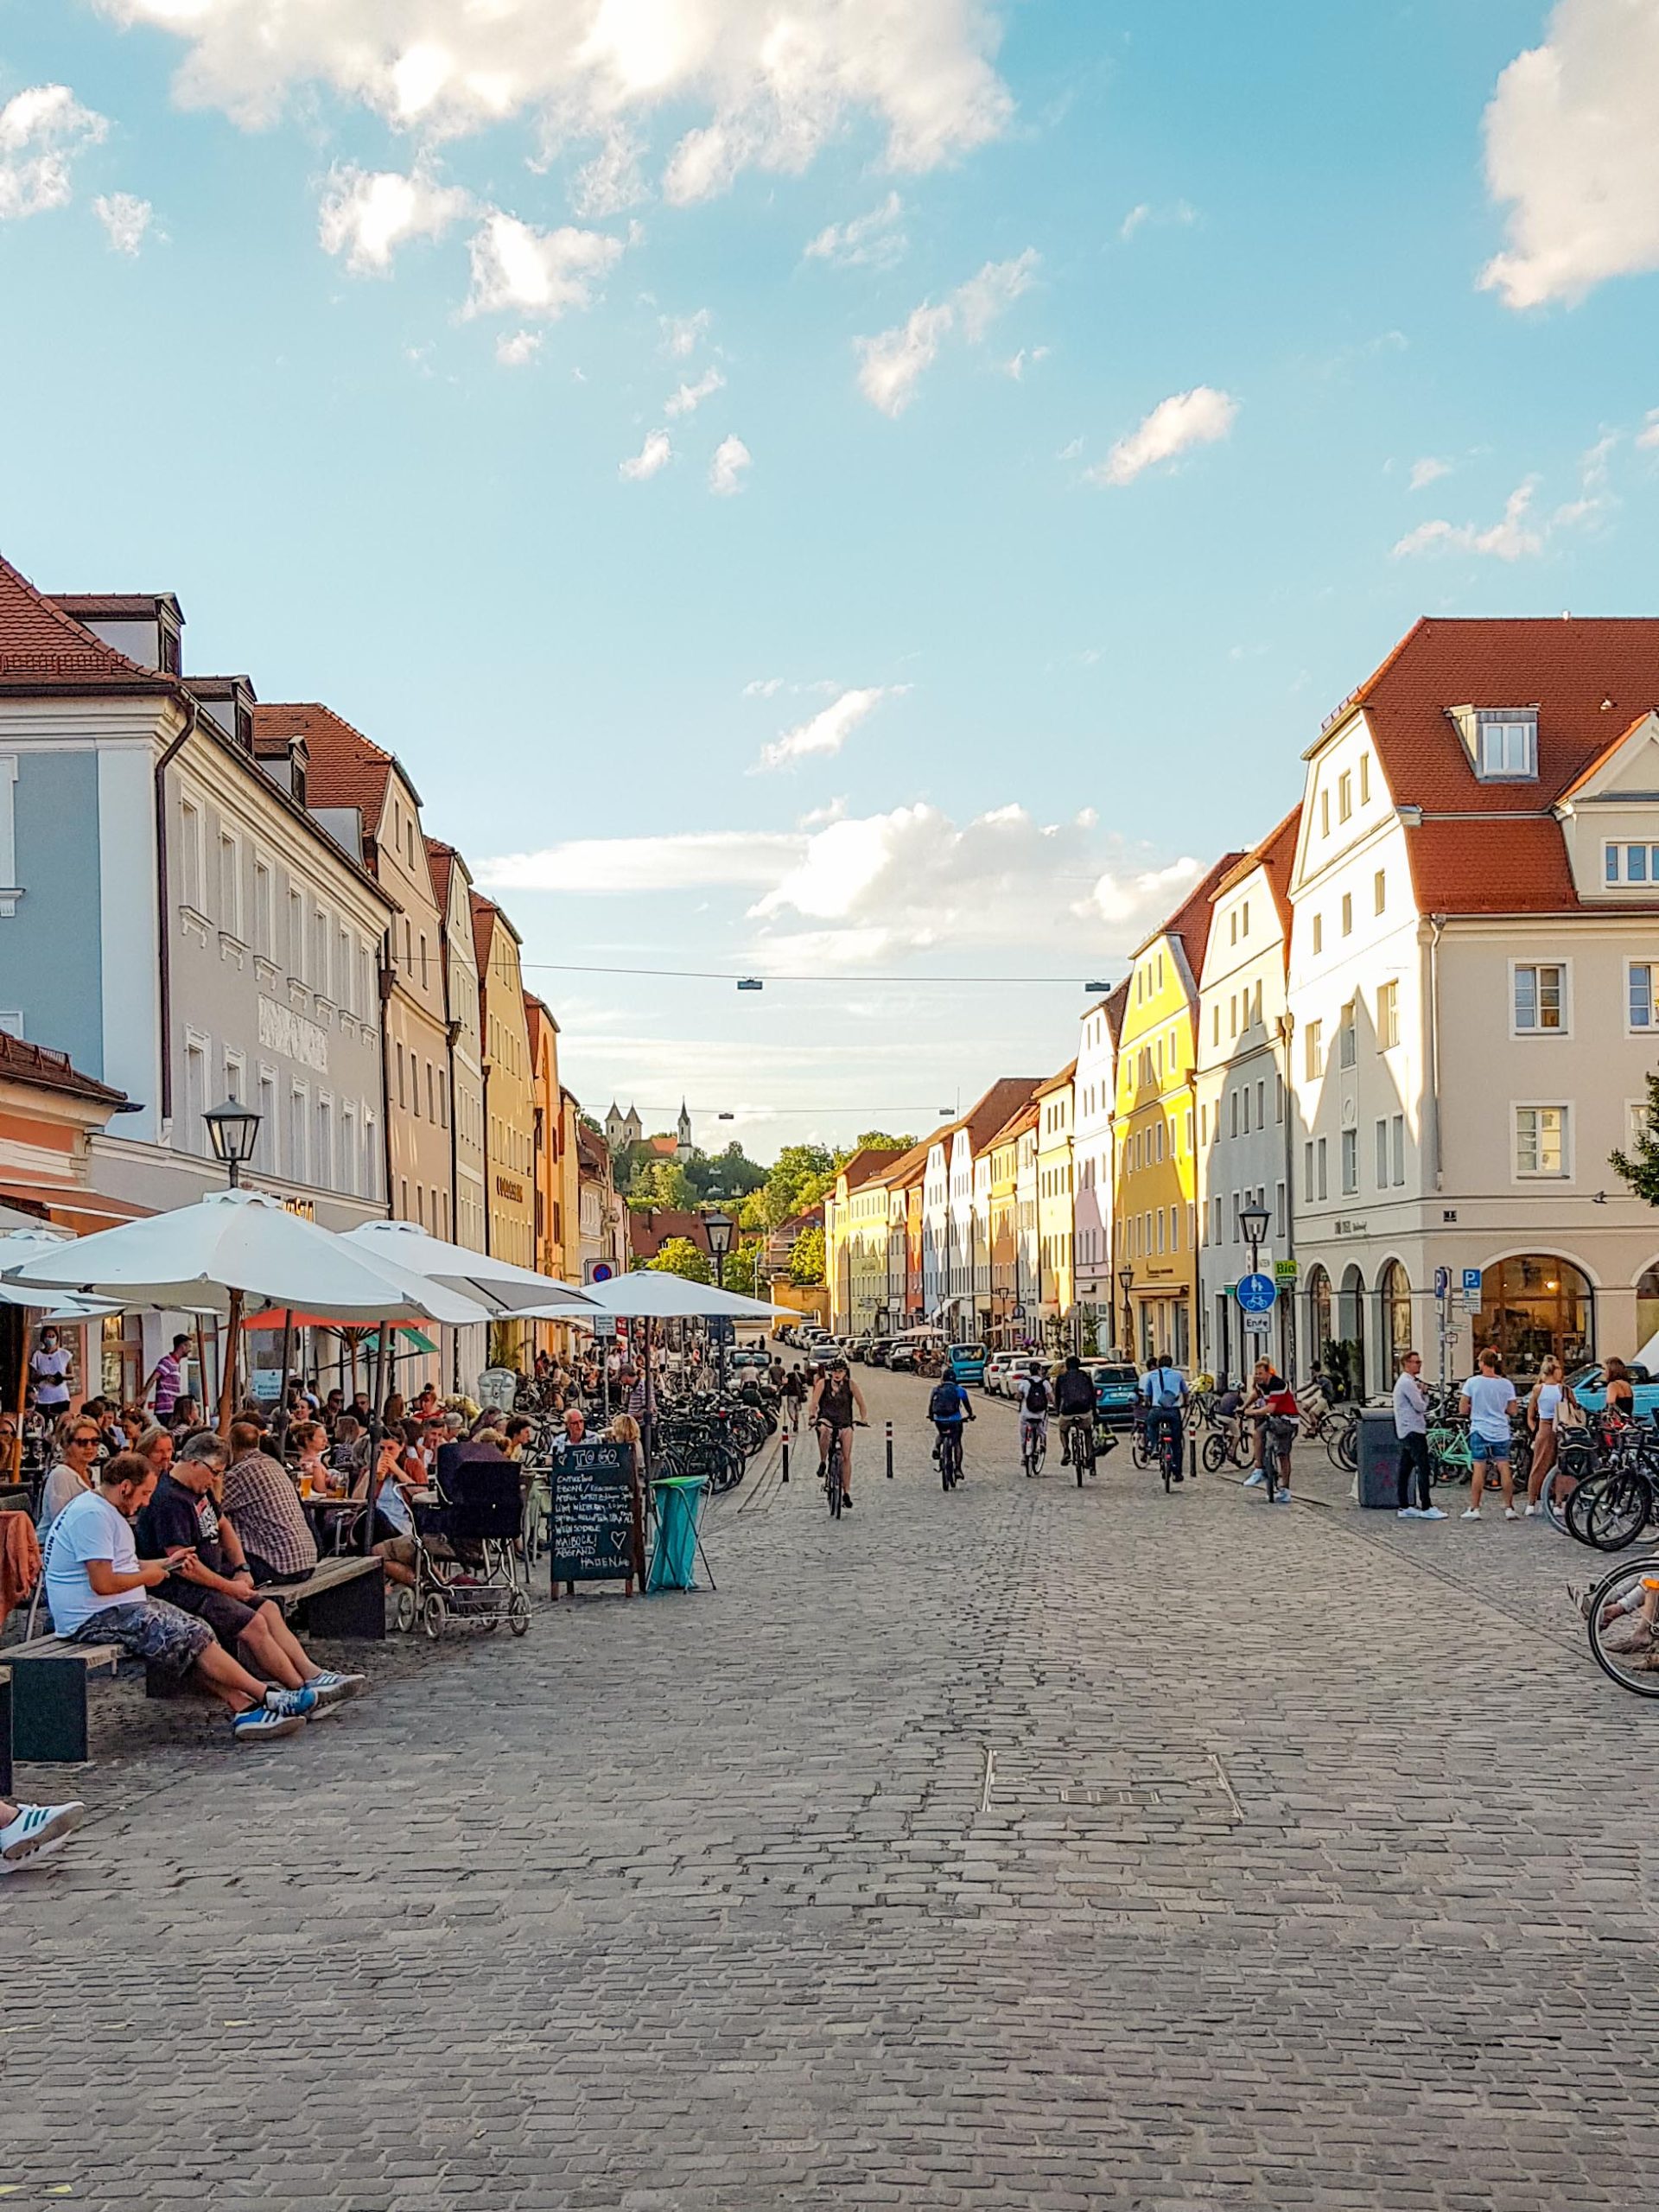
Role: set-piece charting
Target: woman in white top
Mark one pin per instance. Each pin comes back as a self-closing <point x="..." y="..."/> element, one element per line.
<point x="1544" y="1405"/>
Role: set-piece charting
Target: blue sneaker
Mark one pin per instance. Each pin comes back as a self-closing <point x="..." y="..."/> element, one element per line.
<point x="1279" y="1497"/>
<point x="258" y="1724"/>
<point x="1253" y="1482"/>
<point x="291" y="1704"/>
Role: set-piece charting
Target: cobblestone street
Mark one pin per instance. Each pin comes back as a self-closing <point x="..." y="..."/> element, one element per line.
<point x="1026" y="1847"/>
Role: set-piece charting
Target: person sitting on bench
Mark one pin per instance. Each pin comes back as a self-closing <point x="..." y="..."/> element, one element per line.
<point x="99" y="1593"/>
<point x="265" y="1512"/>
<point x="214" y="1580"/>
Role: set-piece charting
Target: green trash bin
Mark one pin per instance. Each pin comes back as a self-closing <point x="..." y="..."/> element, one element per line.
<point x="678" y="1501"/>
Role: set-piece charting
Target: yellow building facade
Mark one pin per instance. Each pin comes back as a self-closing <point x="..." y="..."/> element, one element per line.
<point x="1154" y="1132"/>
<point x="509" y="1088"/>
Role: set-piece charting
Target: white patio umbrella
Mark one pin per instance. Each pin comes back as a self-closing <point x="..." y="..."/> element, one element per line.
<point x="233" y="1244"/>
<point x="497" y="1284"/>
<point x="650" y="1294"/>
<point x="20" y="1244"/>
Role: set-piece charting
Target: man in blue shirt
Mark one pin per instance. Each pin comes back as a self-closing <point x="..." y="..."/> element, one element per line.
<point x="947" y="1407"/>
<point x="1164" y="1387"/>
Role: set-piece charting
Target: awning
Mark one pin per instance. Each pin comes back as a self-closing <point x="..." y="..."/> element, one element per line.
<point x="83" y="1211"/>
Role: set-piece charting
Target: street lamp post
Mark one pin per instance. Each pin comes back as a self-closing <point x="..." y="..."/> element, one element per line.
<point x="1126" y="1277"/>
<point x="718" y="1228"/>
<point x="1253" y="1220"/>
<point x="233" y="1131"/>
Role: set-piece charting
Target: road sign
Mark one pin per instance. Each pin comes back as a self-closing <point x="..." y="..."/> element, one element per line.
<point x="1286" y="1271"/>
<point x="1442" y="1281"/>
<point x="600" y="1271"/>
<point x="1472" y="1282"/>
<point x="1256" y="1293"/>
<point x="1256" y="1324"/>
<point x="603" y="1324"/>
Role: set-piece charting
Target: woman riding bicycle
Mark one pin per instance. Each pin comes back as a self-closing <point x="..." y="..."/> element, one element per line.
<point x="836" y="1397"/>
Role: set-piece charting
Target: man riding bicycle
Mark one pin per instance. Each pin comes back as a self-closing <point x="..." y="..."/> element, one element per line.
<point x="1074" y="1401"/>
<point x="1164" y="1387"/>
<point x="834" y="1398"/>
<point x="947" y="1408"/>
<point x="1035" y="1397"/>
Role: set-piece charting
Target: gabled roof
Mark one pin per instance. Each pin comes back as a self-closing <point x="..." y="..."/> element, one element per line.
<point x="116" y="605"/>
<point x="650" y="1228"/>
<point x="1059" y="1080"/>
<point x="1502" y="851"/>
<point x="485" y="914"/>
<point x="868" y="1165"/>
<point x="990" y="1112"/>
<point x="44" y="1069"/>
<point x="1114" y="1006"/>
<point x="1603" y="759"/>
<point x="346" y="768"/>
<point x="44" y="649"/>
<point x="905" y="1167"/>
<point x="441" y="859"/>
<point x="1190" y="922"/>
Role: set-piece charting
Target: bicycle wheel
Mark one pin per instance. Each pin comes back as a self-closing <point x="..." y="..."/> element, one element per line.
<point x="1139" y="1451"/>
<point x="1038" y="1450"/>
<point x="1218" y="1449"/>
<point x="832" y="1484"/>
<point x="1083" y="1453"/>
<point x="1618" y="1512"/>
<point x="1626" y="1648"/>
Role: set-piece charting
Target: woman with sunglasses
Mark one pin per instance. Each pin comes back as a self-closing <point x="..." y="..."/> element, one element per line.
<point x="79" y="1443"/>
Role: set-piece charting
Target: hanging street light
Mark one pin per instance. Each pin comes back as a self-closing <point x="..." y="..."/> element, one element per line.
<point x="233" y="1132"/>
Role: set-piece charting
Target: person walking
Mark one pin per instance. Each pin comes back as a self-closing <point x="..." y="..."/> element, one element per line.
<point x="52" y="1370"/>
<point x="1411" y="1427"/>
<point x="1486" y="1404"/>
<point x="1545" y="1402"/>
<point x="164" y="1384"/>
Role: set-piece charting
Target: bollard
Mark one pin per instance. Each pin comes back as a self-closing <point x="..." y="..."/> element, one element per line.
<point x="786" y="1455"/>
<point x="1192" y="1455"/>
<point x="889" y="1450"/>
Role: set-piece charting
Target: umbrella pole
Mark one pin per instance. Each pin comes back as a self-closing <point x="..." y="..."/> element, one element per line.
<point x="650" y="1401"/>
<point x="377" y="1428"/>
<point x="282" y="1382"/>
<point x="227" y="1376"/>
<point x="201" y="1371"/>
<point x="14" y="1466"/>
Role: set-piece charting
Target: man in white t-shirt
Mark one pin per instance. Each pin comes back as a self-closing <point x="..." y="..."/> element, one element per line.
<point x="99" y="1593"/>
<point x="1487" y="1398"/>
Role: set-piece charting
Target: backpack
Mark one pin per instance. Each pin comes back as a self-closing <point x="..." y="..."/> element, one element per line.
<point x="944" y="1404"/>
<point x="1036" y="1395"/>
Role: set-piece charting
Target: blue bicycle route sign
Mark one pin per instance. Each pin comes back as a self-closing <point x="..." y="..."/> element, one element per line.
<point x="1256" y="1293"/>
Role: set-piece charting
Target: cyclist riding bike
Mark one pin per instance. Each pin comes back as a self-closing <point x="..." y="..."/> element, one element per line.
<point x="1164" y="1387"/>
<point x="1074" y="1401"/>
<point x="836" y="1397"/>
<point x="1035" y="1398"/>
<point x="948" y="1407"/>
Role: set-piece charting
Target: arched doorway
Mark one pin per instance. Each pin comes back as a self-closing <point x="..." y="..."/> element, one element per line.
<point x="1534" y="1305"/>
<point x="1394" y="1308"/>
<point x="1348" y="1362"/>
<point x="1319" y="1315"/>
<point x="1647" y="1318"/>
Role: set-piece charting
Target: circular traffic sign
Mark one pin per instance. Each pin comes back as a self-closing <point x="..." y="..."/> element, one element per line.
<point x="602" y="1271"/>
<point x="1256" y="1293"/>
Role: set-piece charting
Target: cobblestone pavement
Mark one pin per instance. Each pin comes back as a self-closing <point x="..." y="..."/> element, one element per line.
<point x="1024" y="1847"/>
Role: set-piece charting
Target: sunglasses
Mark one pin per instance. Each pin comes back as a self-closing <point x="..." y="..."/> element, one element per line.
<point x="93" y="1439"/>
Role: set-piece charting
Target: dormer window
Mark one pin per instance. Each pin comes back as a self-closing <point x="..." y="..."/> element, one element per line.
<point x="1502" y="743"/>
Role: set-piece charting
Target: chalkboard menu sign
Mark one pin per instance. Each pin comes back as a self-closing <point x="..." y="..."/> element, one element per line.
<point x="595" y="1529"/>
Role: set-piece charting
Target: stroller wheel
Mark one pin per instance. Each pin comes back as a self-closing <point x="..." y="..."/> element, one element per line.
<point x="434" y="1613"/>
<point x="403" y="1609"/>
<point x="518" y="1613"/>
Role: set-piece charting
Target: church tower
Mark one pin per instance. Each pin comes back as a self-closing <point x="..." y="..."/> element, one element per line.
<point x="684" y="1147"/>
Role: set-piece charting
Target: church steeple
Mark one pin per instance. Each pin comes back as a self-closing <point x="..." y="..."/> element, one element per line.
<point x="684" y="1148"/>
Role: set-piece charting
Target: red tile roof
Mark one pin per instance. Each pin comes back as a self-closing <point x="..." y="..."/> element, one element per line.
<point x="868" y="1165"/>
<point x="441" y="859"/>
<point x="44" y="649"/>
<point x="1190" y="922"/>
<point x="485" y="912"/>
<point x="650" y="1229"/>
<point x="45" y="1069"/>
<point x="1592" y="768"/>
<point x="1590" y="678"/>
<point x="1057" y="1081"/>
<point x="346" y="768"/>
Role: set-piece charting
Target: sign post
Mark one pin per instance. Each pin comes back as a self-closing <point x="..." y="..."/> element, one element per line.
<point x="597" y="1533"/>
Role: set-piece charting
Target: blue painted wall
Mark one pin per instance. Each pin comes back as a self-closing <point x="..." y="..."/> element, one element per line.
<point x="51" y="962"/>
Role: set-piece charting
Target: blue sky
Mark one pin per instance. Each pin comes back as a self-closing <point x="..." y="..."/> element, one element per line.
<point x="884" y="495"/>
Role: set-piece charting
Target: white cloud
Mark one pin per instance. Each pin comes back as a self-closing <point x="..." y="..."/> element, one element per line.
<point x="726" y="471"/>
<point x="42" y="130"/>
<point x="893" y="364"/>
<point x="1596" y="496"/>
<point x="1648" y="436"/>
<point x="1428" y="471"/>
<point x="770" y="88"/>
<point x="518" y="349"/>
<point x="690" y="397"/>
<point x="536" y="273"/>
<point x="683" y="334"/>
<point x="1572" y="149"/>
<point x="1138" y="217"/>
<point x="763" y="687"/>
<point x="613" y="180"/>
<point x="1186" y="419"/>
<point x="828" y="730"/>
<point x="366" y="215"/>
<point x="655" y="453"/>
<point x="692" y="861"/>
<point x="1016" y="367"/>
<point x="872" y="241"/>
<point x="1515" y="537"/>
<point x="125" y="218"/>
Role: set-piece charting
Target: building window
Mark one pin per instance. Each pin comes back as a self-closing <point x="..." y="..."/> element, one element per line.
<point x="1307" y="1174"/>
<point x="1507" y="750"/>
<point x="298" y="1106"/>
<point x="325" y="1160"/>
<point x="296" y="935"/>
<point x="1382" y="1155"/>
<point x="1632" y="864"/>
<point x="1313" y="1043"/>
<point x="1541" y="1140"/>
<point x="1232" y="1108"/>
<point x="1325" y="814"/>
<point x="1318" y="933"/>
<point x="349" y="1167"/>
<point x="267" y="1154"/>
<point x="265" y="910"/>
<point x="1379" y="890"/>
<point x="1350" y="1161"/>
<point x="1388" y="1016"/>
<point x="1244" y="925"/>
<point x="1539" y="997"/>
<point x="1347" y="913"/>
<point x="229" y="886"/>
<point x="1279" y="1213"/>
<point x="190" y="854"/>
<point x="1348" y="1035"/>
<point x="1364" y="778"/>
<point x="402" y="1099"/>
<point x="1324" y="1162"/>
<point x="1397" y="1128"/>
<point x="194" y="1133"/>
<point x="1641" y="973"/>
<point x="1345" y="795"/>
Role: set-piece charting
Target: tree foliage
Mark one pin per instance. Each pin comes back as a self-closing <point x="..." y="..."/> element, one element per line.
<point x="878" y="1141"/>
<point x="1639" y="1166"/>
<point x="662" y="1183"/>
<point x="743" y="1267"/>
<point x="680" y="1256"/>
<point x="806" y="1260"/>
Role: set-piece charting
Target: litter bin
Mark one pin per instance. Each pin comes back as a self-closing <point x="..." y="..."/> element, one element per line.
<point x="674" y="1557"/>
<point x="1379" y="1458"/>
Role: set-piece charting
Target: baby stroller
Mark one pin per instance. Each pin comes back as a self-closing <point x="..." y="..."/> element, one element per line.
<point x="467" y="1546"/>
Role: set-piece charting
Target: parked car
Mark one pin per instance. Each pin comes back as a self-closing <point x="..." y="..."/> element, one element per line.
<point x="748" y="1356"/>
<point x="995" y="1378"/>
<point x="1590" y="1388"/>
<point x="879" y="1350"/>
<point x="966" y="1361"/>
<point x="1115" y="1388"/>
<point x="901" y="1356"/>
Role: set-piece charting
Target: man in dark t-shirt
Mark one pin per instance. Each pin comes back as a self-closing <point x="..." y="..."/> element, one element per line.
<point x="213" y="1580"/>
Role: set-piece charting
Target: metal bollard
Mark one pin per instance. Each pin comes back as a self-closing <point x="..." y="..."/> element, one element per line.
<point x="889" y="1450"/>
<point x="1192" y="1455"/>
<point x="786" y="1455"/>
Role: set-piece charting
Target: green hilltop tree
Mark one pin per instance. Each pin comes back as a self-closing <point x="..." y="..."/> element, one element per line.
<point x="1639" y="1166"/>
<point x="806" y="1260"/>
<point x="680" y="1256"/>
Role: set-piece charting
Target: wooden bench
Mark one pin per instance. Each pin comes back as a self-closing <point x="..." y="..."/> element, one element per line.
<point x="345" y="1597"/>
<point x="48" y="1696"/>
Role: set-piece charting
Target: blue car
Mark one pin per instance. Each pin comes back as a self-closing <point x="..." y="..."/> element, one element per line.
<point x="1115" y="1388"/>
<point x="966" y="1363"/>
<point x="1589" y="1386"/>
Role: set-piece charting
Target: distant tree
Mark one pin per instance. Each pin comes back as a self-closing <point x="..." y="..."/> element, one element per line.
<point x="662" y="1183"/>
<point x="725" y="1177"/>
<point x="878" y="1141"/>
<point x="800" y="1176"/>
<point x="589" y="1122"/>
<point x="680" y="1256"/>
<point x="1639" y="1166"/>
<point x="806" y="1260"/>
<point x="743" y="1267"/>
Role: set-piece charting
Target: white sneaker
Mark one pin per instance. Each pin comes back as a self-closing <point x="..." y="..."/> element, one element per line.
<point x="37" y="1832"/>
<point x="1509" y="1513"/>
<point x="1471" y="1513"/>
<point x="1430" y="1513"/>
<point x="1253" y="1482"/>
<point x="1409" y="1513"/>
<point x="1532" y="1510"/>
